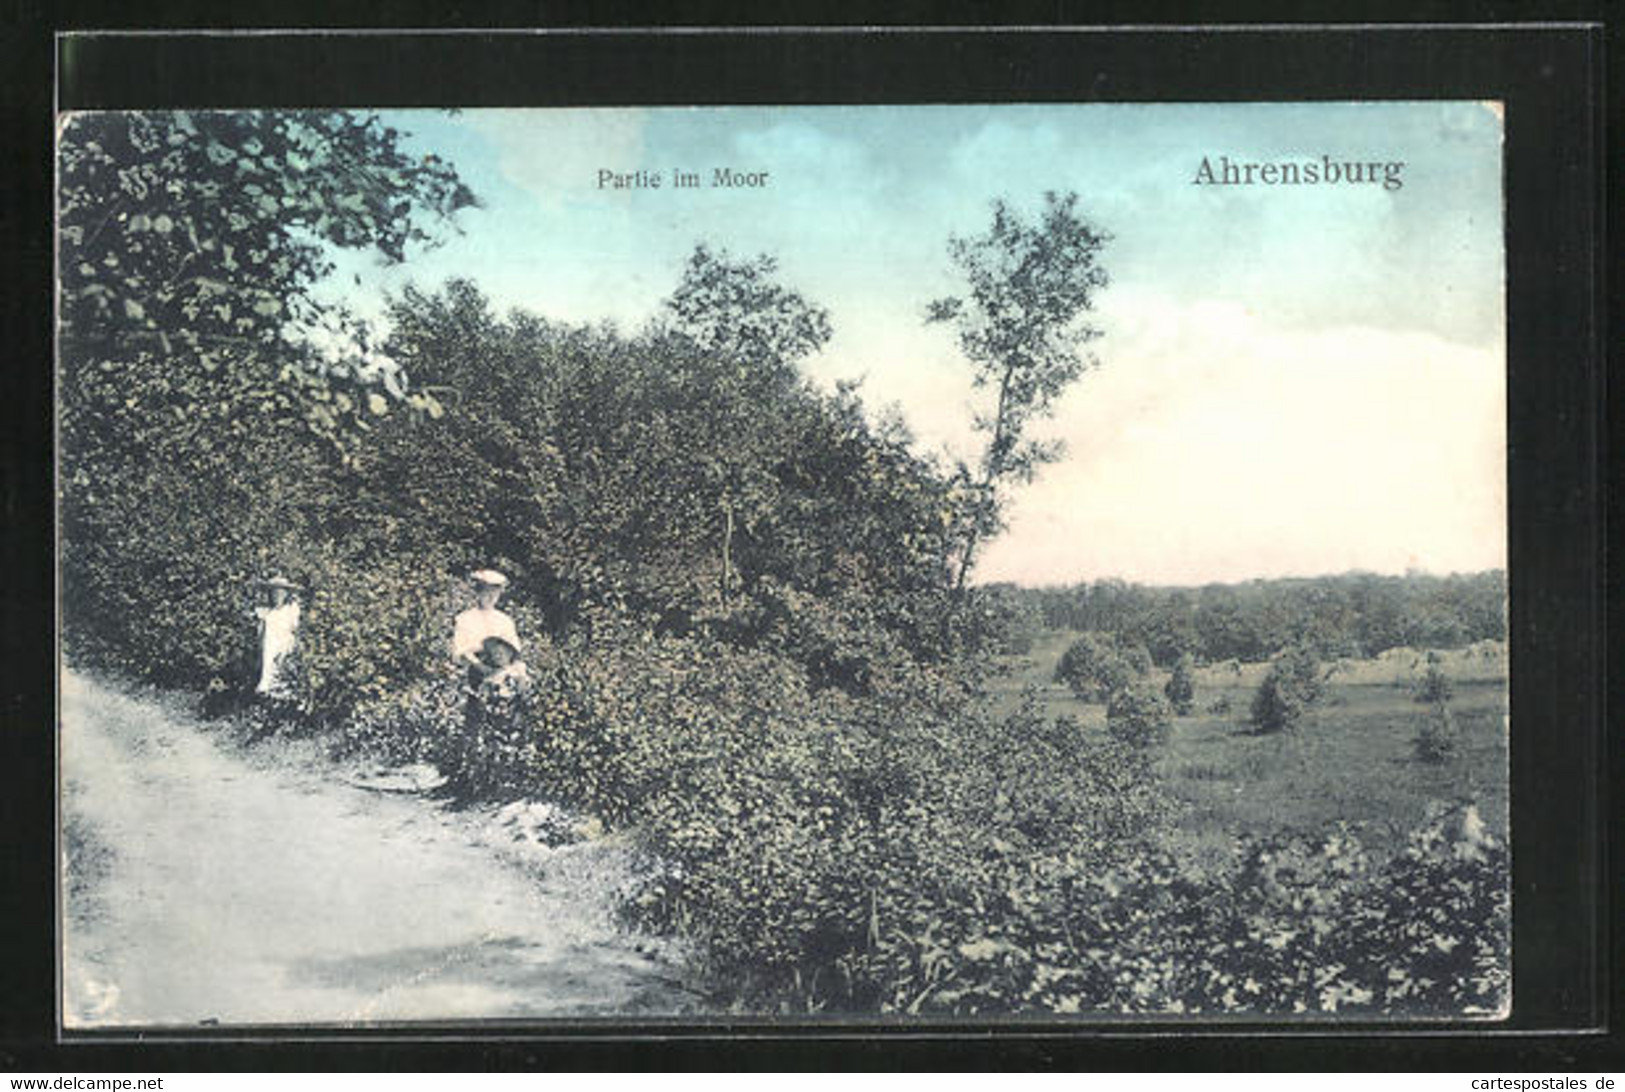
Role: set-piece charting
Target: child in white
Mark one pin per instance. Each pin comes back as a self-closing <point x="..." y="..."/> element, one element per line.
<point x="508" y="675"/>
<point x="279" y="629"/>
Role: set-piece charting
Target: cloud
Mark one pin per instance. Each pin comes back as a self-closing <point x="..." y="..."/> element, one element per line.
<point x="556" y="154"/>
<point x="1217" y="446"/>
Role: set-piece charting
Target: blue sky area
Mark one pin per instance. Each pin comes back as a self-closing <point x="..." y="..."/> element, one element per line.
<point x="1295" y="378"/>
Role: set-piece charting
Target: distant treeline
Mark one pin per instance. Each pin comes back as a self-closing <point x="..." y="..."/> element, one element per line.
<point x="1353" y="614"/>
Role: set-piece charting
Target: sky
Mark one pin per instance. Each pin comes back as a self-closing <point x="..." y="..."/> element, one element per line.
<point x="1293" y="379"/>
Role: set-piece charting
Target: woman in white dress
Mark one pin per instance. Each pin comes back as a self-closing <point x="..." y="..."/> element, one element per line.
<point x="480" y="621"/>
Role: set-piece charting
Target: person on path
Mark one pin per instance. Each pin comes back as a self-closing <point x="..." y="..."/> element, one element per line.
<point x="480" y="621"/>
<point x="468" y="755"/>
<point x="278" y="619"/>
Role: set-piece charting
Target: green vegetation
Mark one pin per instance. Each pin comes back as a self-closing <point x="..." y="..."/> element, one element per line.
<point x="1292" y="685"/>
<point x="754" y="648"/>
<point x="1020" y="324"/>
<point x="1438" y="736"/>
<point x="1096" y="666"/>
<point x="1357" y="760"/>
<point x="1137" y="715"/>
<point x="1352" y="615"/>
<point x="1436" y="688"/>
<point x="1180" y="689"/>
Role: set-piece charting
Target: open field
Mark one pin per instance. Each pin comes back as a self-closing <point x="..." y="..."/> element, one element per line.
<point x="1353" y="760"/>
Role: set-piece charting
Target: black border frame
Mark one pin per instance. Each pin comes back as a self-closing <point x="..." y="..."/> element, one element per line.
<point x="1550" y="77"/>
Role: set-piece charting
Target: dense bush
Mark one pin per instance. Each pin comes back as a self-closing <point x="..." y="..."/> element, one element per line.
<point x="1299" y="924"/>
<point x="1137" y="715"/>
<point x="1435" y="687"/>
<point x="1438" y="736"/>
<point x="833" y="852"/>
<point x="1180" y="690"/>
<point x="1096" y="666"/>
<point x="1291" y="686"/>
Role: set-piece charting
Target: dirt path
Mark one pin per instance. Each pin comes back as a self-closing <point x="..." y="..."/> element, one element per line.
<point x="210" y="884"/>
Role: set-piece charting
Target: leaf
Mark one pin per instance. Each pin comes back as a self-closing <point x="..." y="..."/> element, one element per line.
<point x="981" y="950"/>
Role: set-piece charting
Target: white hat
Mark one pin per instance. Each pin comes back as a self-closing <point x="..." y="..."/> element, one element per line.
<point x="279" y="582"/>
<point x="489" y="577"/>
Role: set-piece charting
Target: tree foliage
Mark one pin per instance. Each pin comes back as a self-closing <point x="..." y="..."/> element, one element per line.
<point x="1290" y="687"/>
<point x="1180" y="689"/>
<point x="1435" y="687"/>
<point x="754" y="332"/>
<point x="1355" y="614"/>
<point x="202" y="429"/>
<point x="611" y="467"/>
<point x="1137" y="715"/>
<point x="1020" y="323"/>
<point x="1096" y="666"/>
<point x="191" y="243"/>
<point x="736" y="308"/>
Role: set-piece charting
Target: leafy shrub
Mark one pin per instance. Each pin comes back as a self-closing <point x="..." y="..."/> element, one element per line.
<point x="1439" y="926"/>
<point x="1095" y="666"/>
<point x="911" y="858"/>
<point x="823" y="847"/>
<point x="1137" y="716"/>
<point x="1435" y="687"/>
<point x="1181" y="687"/>
<point x="1438" y="736"/>
<point x="1135" y="655"/>
<point x="1291" y="686"/>
<point x="1300" y="923"/>
<point x="1010" y="618"/>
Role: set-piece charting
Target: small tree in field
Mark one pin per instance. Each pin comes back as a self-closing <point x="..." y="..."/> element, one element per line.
<point x="1095" y="668"/>
<point x="1136" y="657"/>
<point x="1438" y="736"/>
<point x="1288" y="690"/>
<point x="1436" y="688"/>
<point x="1137" y="715"/>
<point x="1028" y="286"/>
<point x="1181" y="687"/>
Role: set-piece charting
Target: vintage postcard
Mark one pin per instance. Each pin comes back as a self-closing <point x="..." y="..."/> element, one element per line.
<point x="905" y="563"/>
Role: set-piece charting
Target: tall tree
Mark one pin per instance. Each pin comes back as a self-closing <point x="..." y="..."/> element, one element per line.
<point x="1019" y="321"/>
<point x="755" y="331"/>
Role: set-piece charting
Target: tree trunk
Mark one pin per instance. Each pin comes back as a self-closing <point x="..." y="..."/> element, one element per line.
<point x="992" y="468"/>
<point x="727" y="548"/>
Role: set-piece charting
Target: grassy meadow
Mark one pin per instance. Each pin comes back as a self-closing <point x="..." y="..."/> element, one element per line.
<point x="1352" y="761"/>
